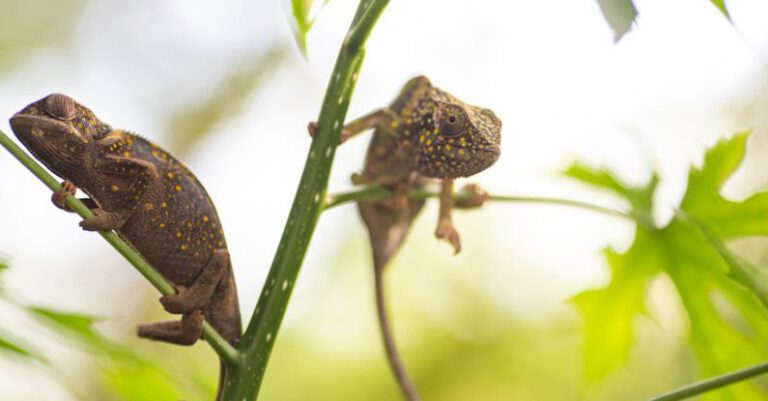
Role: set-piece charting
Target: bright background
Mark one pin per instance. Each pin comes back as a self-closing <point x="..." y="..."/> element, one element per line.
<point x="492" y="323"/>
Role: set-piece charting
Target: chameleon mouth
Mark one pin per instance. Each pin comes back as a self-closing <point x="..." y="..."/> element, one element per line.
<point x="37" y="126"/>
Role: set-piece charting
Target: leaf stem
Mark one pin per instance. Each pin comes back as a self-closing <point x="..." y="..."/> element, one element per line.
<point x="228" y="354"/>
<point x="714" y="383"/>
<point x="371" y="193"/>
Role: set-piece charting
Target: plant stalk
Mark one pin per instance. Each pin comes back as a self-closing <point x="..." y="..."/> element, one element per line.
<point x="258" y="340"/>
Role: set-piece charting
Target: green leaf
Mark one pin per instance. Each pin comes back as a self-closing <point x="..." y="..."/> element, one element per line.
<point x="14" y="348"/>
<point x="724" y="298"/>
<point x="640" y="198"/>
<point x="301" y="23"/>
<point x="720" y="4"/>
<point x="620" y="14"/>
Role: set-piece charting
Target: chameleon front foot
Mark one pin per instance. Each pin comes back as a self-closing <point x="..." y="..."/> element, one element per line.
<point x="446" y="231"/>
<point x="184" y="332"/>
<point x="59" y="198"/>
<point x="313" y="128"/>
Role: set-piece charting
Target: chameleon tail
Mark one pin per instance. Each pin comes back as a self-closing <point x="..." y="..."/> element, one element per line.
<point x="222" y="377"/>
<point x="405" y="383"/>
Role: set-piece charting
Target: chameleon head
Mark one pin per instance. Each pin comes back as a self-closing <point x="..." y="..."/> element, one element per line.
<point x="57" y="130"/>
<point x="464" y="140"/>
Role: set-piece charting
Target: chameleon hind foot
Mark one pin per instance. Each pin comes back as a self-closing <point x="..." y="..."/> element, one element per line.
<point x="184" y="332"/>
<point x="471" y="196"/>
<point x="105" y="221"/>
<point x="198" y="295"/>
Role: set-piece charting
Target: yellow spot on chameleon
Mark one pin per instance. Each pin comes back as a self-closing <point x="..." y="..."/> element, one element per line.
<point x="115" y="187"/>
<point x="170" y="174"/>
<point x="205" y="219"/>
<point x="164" y="204"/>
<point x="127" y="154"/>
<point x="447" y="146"/>
<point x="149" y="206"/>
<point x="461" y="152"/>
<point x="183" y="247"/>
<point x="178" y="234"/>
<point x="162" y="225"/>
<point x="178" y="187"/>
<point x="189" y="224"/>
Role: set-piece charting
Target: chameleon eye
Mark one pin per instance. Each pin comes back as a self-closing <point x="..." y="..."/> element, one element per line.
<point x="451" y="126"/>
<point x="60" y="106"/>
<point x="102" y="131"/>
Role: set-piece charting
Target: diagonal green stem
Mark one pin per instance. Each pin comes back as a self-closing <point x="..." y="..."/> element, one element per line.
<point x="714" y="383"/>
<point x="227" y="353"/>
<point x="259" y="337"/>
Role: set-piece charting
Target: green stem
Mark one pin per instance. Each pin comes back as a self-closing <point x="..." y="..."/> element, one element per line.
<point x="369" y="193"/>
<point x="227" y="353"/>
<point x="259" y="337"/>
<point x="714" y="383"/>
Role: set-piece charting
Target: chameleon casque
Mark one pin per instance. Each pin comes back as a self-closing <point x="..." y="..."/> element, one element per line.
<point x="424" y="134"/>
<point x="151" y="200"/>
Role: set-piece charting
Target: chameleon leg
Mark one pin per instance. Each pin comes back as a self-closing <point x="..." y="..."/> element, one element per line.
<point x="445" y="229"/>
<point x="59" y="197"/>
<point x="386" y="119"/>
<point x="184" y="332"/>
<point x="199" y="293"/>
<point x="104" y="221"/>
<point x="137" y="174"/>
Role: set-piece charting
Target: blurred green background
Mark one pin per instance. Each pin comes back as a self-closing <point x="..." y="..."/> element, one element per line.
<point x="224" y="86"/>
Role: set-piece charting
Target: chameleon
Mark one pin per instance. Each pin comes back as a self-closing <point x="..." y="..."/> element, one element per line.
<point x="424" y="134"/>
<point x="151" y="200"/>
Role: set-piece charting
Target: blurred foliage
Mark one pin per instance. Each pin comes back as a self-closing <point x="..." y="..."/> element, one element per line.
<point x="728" y="326"/>
<point x="300" y="22"/>
<point x="193" y="122"/>
<point x="620" y="14"/>
<point x="27" y="25"/>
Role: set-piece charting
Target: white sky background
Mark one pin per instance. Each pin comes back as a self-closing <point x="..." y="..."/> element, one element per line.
<point x="681" y="79"/>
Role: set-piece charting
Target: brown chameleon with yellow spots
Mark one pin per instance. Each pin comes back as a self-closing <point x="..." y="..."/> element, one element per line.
<point x="151" y="200"/>
<point x="424" y="134"/>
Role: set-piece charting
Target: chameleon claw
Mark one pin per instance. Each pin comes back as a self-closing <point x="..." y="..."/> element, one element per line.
<point x="313" y="129"/>
<point x="59" y="198"/>
<point x="446" y="231"/>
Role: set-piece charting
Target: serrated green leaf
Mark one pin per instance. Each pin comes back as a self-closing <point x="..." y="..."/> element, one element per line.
<point x="722" y="297"/>
<point x="620" y="14"/>
<point x="639" y="197"/>
<point x="609" y="312"/>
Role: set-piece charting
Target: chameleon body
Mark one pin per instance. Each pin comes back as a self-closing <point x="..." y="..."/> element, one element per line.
<point x="151" y="200"/>
<point x="424" y="134"/>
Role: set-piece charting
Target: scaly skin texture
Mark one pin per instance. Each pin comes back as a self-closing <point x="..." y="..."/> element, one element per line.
<point x="424" y="134"/>
<point x="151" y="200"/>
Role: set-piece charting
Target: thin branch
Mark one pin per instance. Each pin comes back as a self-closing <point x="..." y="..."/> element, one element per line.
<point x="228" y="354"/>
<point x="714" y="383"/>
<point x="371" y="193"/>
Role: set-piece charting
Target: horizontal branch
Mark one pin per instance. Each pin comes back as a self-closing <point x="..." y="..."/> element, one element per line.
<point x="228" y="354"/>
<point x="372" y="193"/>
